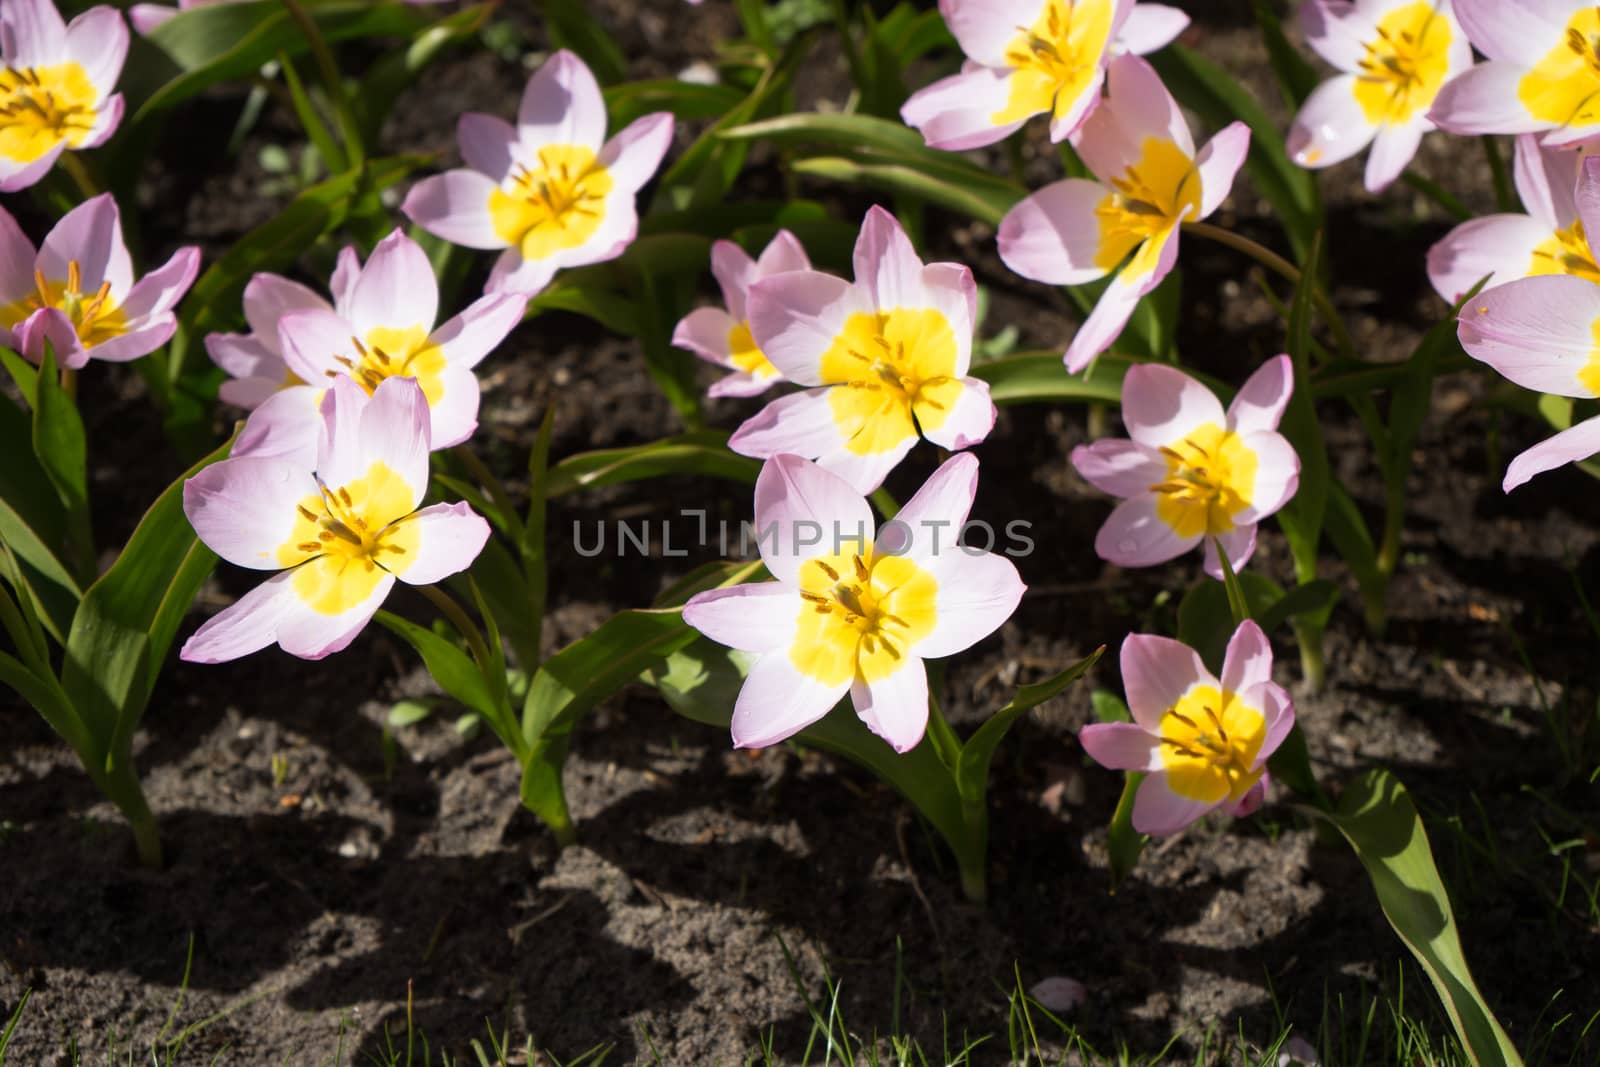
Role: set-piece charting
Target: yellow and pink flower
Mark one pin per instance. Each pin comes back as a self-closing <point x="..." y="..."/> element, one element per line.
<point x="722" y="335"/>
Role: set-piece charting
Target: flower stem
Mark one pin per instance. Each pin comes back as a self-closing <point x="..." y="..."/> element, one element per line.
<point x="462" y="622"/>
<point x="1282" y="267"/>
<point x="1497" y="170"/>
<point x="509" y="517"/>
<point x="79" y="173"/>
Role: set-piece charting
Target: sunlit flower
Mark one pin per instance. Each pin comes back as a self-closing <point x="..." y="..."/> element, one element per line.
<point x="1148" y="28"/>
<point x="56" y="82"/>
<point x="1549" y="239"/>
<point x="78" y="290"/>
<point x="1202" y="741"/>
<point x="723" y="336"/>
<point x="1394" y="57"/>
<point x="1544" y="334"/>
<point x="1025" y="58"/>
<point x="853" y="611"/>
<point x="1542" y="73"/>
<point x="1149" y="181"/>
<point x="1191" y="472"/>
<point x="379" y="325"/>
<point x="339" y="533"/>
<point x="551" y="190"/>
<point x="886" y="358"/>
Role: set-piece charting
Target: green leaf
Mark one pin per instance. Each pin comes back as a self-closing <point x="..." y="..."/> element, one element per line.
<point x="63" y="452"/>
<point x="701" y="453"/>
<point x="497" y="573"/>
<point x="226" y="42"/>
<point x="911" y="180"/>
<point x="1205" y="621"/>
<point x="685" y="100"/>
<point x="457" y="675"/>
<point x="571" y="25"/>
<point x="33" y="523"/>
<point x="972" y="771"/>
<point x="1124" y="844"/>
<point x="1296" y="77"/>
<point x="1108" y="707"/>
<point x="386" y="78"/>
<point x="43" y="693"/>
<point x="130" y="615"/>
<point x="1302" y="518"/>
<point x="1377" y="816"/>
<point x="1219" y="98"/>
<point x="1040" y="377"/>
<point x="593" y="301"/>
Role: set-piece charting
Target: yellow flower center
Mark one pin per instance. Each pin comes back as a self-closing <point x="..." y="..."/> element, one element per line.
<point x="1209" y="741"/>
<point x="395" y="352"/>
<point x="345" y="540"/>
<point x="1564" y="86"/>
<point x="1405" y="64"/>
<point x="1566" y="252"/>
<point x="555" y="206"/>
<point x="40" y="107"/>
<point x="888" y="367"/>
<point x="862" y="612"/>
<point x="1210" y="475"/>
<point x="1145" y="205"/>
<point x="1054" y="60"/>
<point x="95" y="316"/>
<point x="745" y="354"/>
<point x="1589" y="373"/>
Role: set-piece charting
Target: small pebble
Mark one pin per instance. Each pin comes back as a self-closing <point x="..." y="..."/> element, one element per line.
<point x="1059" y="994"/>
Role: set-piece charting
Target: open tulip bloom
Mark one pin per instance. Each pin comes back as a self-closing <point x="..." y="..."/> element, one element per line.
<point x="1190" y="471"/>
<point x="1549" y="239"/>
<point x="56" y="82"/>
<point x="1202" y="741"/>
<point x="1542" y="334"/>
<point x="1031" y="57"/>
<point x="1149" y="180"/>
<point x="550" y="191"/>
<point x="885" y="360"/>
<point x="339" y="533"/>
<point x="78" y="292"/>
<point x="381" y="326"/>
<point x="723" y="336"/>
<point x="254" y="361"/>
<point x="1542" y="73"/>
<point x="1394" y="56"/>
<point x="852" y="611"/>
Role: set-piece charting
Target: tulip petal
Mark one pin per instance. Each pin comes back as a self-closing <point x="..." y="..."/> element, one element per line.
<point x="311" y="634"/>
<point x="704" y="331"/>
<point x="32" y="33"/>
<point x="927" y="526"/>
<point x="1219" y="162"/>
<point x="1053" y="235"/>
<point x="1518" y="31"/>
<point x="1499" y="247"/>
<point x="396" y="289"/>
<point x="1248" y="659"/>
<point x="1330" y="126"/>
<point x="16" y="260"/>
<point x="159" y="291"/>
<point x="1569" y="446"/>
<point x="968" y="420"/>
<point x="1539" y="332"/>
<point x="1260" y="402"/>
<point x="454" y="206"/>
<point x="1118" y="466"/>
<point x="1150" y="28"/>
<point x="1121" y="746"/>
<point x="1137" y="109"/>
<point x="286" y="424"/>
<point x="244" y="508"/>
<point x="756" y="617"/>
<point x="269" y="297"/>
<point x="1114" y="308"/>
<point x="1545" y="180"/>
<point x="1162" y="405"/>
<point x="1156" y="673"/>
<point x="488" y="144"/>
<point x="978" y="591"/>
<point x="778" y="701"/>
<point x="90" y="235"/>
<point x="985" y="28"/>
<point x="247" y="625"/>
<point x="1392" y="149"/>
<point x="450" y="536"/>
<point x="795" y="317"/>
<point x="51" y="325"/>
<point x="1273" y="701"/>
<point x="1484" y="100"/>
<point x="735" y="272"/>
<point x="315" y="343"/>
<point x="801" y="423"/>
<point x="1277" y="475"/>
<point x="1239" y="543"/>
<point x="1135" y="535"/>
<point x="957" y="113"/>
<point x="137" y="342"/>
<point x="895" y="707"/>
<point x="1337" y="31"/>
<point x="468" y="337"/>
<point x="783" y="253"/>
<point x="453" y="414"/>
<point x="886" y="265"/>
<point x="634" y="154"/>
<point x="562" y="105"/>
<point x="97" y="40"/>
<point x="801" y="512"/>
<point x="15" y="176"/>
<point x="1160" y="812"/>
<point x="865" y="471"/>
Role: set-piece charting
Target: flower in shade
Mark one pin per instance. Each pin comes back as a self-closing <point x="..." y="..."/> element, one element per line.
<point x="1393" y="56"/>
<point x="78" y="292"/>
<point x="1025" y="58"/>
<point x="339" y="533"/>
<point x="56" y="82"/>
<point x="1202" y="741"/>
<point x="1190" y="472"/>
<point x="723" y="336"/>
<point x="1149" y="180"/>
<point x="1542" y="72"/>
<point x="1548" y="239"/>
<point x="1543" y="333"/>
<point x="550" y="191"/>
<point x="885" y="358"/>
<point x="381" y="325"/>
<point x="852" y="610"/>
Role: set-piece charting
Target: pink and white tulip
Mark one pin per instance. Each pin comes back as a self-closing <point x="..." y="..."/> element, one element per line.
<point x="381" y="325"/>
<point x="723" y="336"/>
<point x="852" y="610"/>
<point x="1190" y="472"/>
<point x="78" y="290"/>
<point x="1203" y="742"/>
<point x="550" y="191"/>
<point x="1541" y="333"/>
<point x="1549" y="238"/>
<point x="56" y="85"/>
<point x="1149" y="181"/>
<point x="1024" y="58"/>
<point x="1394" y="56"/>
<point x="340" y="533"/>
<point x="1542" y="74"/>
<point x="885" y="359"/>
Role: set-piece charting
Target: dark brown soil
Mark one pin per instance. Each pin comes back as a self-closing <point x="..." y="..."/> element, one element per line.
<point x="325" y="869"/>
